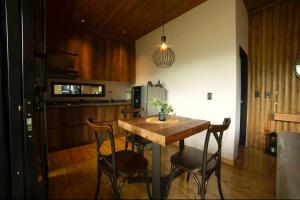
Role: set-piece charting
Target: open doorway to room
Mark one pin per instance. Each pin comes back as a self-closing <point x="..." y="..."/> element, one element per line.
<point x="244" y="90"/>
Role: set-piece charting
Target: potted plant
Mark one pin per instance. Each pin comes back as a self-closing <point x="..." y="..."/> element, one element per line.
<point x="162" y="107"/>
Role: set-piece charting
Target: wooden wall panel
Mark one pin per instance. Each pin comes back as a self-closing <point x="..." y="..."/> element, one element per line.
<point x="100" y="58"/>
<point x="274" y="42"/>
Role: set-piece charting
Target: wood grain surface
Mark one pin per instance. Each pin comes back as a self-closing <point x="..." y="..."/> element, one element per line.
<point x="286" y="117"/>
<point x="254" y="6"/>
<point x="155" y="120"/>
<point x="99" y="58"/>
<point x="274" y="42"/>
<point x="67" y="127"/>
<point x="126" y="19"/>
<point x="72" y="175"/>
<point x="164" y="134"/>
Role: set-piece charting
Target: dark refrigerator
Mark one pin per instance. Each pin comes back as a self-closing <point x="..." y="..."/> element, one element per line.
<point x="23" y="150"/>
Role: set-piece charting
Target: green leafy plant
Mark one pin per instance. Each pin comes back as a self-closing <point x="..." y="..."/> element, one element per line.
<point x="162" y="106"/>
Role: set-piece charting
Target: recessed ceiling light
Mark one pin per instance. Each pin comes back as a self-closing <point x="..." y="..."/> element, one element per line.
<point x="124" y="31"/>
<point x="83" y="20"/>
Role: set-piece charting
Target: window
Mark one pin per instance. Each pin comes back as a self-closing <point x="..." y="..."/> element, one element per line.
<point x="77" y="89"/>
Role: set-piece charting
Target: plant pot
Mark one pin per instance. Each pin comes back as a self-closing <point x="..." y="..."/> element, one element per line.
<point x="162" y="116"/>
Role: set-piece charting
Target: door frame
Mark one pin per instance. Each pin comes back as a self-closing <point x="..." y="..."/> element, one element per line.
<point x="4" y="141"/>
<point x="244" y="97"/>
<point x="20" y="74"/>
<point x="12" y="88"/>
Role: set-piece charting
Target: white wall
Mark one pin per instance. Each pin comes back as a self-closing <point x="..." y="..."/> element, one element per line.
<point x="205" y="45"/>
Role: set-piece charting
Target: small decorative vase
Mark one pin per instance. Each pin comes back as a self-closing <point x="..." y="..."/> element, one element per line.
<point x="162" y="116"/>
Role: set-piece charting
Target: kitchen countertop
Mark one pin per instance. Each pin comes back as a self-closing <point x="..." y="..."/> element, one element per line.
<point x="72" y="104"/>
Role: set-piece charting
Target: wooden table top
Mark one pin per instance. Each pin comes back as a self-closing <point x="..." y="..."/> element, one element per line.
<point x="164" y="133"/>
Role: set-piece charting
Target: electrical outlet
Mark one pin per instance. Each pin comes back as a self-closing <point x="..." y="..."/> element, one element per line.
<point x="268" y="94"/>
<point x="209" y="96"/>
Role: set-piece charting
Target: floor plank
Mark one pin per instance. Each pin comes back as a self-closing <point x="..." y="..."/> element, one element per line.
<point x="72" y="175"/>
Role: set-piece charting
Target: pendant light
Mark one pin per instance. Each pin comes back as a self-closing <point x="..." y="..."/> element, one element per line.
<point x="163" y="56"/>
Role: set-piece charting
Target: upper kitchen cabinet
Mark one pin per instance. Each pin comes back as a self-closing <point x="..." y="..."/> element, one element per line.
<point x="120" y="61"/>
<point x="100" y="58"/>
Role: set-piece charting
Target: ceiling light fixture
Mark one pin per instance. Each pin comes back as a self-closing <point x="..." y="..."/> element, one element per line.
<point x="83" y="20"/>
<point x="164" y="55"/>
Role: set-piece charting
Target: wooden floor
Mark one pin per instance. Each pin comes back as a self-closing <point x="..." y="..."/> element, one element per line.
<point x="72" y="175"/>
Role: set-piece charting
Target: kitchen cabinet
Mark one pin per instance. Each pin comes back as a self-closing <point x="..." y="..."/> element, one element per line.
<point x="120" y="61"/>
<point x="100" y="58"/>
<point x="66" y="126"/>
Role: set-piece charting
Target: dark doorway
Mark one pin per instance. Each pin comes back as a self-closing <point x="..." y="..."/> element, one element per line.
<point x="244" y="90"/>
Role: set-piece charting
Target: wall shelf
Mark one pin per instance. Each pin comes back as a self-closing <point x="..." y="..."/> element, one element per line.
<point x="287" y="117"/>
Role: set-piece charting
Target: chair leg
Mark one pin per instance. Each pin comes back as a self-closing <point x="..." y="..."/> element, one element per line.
<point x="112" y="187"/>
<point x="98" y="181"/>
<point x="121" y="186"/>
<point x="126" y="140"/>
<point x="219" y="183"/>
<point x="188" y="177"/>
<point x="147" y="183"/>
<point x="140" y="148"/>
<point x="205" y="186"/>
<point x="133" y="144"/>
<point x="115" y="194"/>
<point x="199" y="185"/>
<point x="172" y="171"/>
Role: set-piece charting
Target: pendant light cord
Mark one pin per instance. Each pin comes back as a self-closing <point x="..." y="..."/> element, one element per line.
<point x="163" y="17"/>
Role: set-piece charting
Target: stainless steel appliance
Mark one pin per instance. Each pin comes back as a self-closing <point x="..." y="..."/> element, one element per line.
<point x="142" y="96"/>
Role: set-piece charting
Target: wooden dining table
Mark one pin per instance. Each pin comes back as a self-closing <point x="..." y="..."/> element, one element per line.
<point x="162" y="133"/>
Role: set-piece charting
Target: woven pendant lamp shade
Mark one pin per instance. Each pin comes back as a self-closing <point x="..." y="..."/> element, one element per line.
<point x="163" y="57"/>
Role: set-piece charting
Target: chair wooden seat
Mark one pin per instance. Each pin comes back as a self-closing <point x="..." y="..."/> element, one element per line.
<point x="192" y="160"/>
<point x="128" y="163"/>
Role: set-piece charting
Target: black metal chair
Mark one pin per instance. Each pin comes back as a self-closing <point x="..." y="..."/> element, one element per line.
<point x="197" y="162"/>
<point x="122" y="164"/>
<point x="132" y="138"/>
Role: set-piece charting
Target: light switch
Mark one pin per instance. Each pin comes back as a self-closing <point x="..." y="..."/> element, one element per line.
<point x="209" y="96"/>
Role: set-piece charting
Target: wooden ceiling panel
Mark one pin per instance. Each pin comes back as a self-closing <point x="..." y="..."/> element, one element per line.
<point x="113" y="17"/>
<point x="254" y="5"/>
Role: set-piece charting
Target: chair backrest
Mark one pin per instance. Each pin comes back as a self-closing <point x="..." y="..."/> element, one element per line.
<point x="101" y="132"/>
<point x="133" y="112"/>
<point x="217" y="131"/>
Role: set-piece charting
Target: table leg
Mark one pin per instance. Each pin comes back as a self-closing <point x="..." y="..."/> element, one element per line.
<point x="156" y="185"/>
<point x="181" y="145"/>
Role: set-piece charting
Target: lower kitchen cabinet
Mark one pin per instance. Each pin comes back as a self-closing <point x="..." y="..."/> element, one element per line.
<point x="66" y="126"/>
